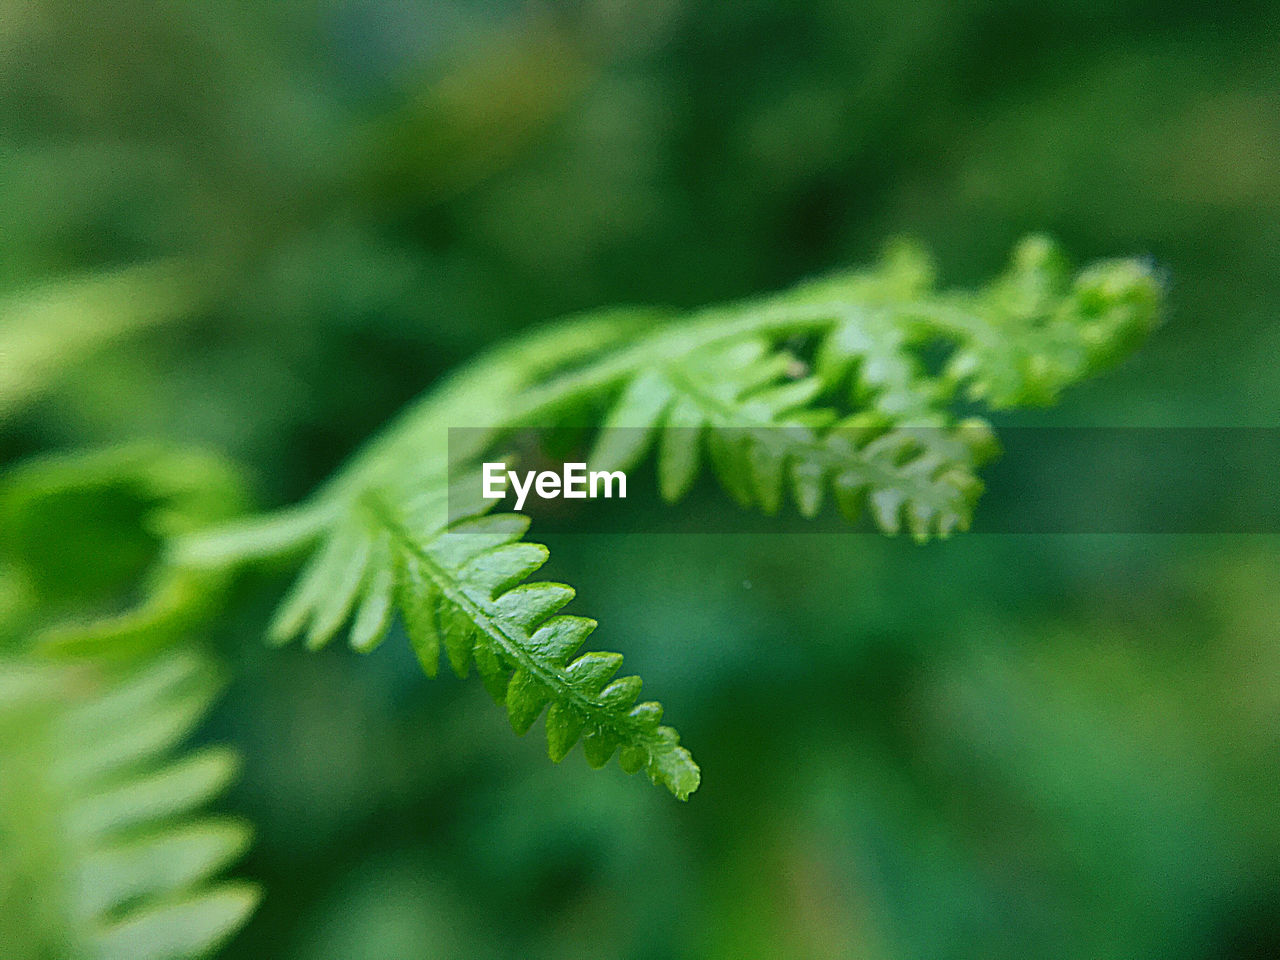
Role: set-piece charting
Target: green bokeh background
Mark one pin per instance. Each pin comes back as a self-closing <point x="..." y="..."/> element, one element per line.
<point x="263" y="227"/>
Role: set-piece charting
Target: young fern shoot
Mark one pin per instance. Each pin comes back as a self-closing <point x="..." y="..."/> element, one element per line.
<point x="821" y="391"/>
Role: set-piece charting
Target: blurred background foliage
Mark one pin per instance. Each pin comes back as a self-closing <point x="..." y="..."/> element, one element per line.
<point x="262" y="227"/>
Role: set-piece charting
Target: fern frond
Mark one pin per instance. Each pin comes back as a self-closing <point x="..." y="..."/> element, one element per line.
<point x="845" y="387"/>
<point x="462" y="590"/>
<point x="870" y="421"/>
<point x="744" y="408"/>
<point x="79" y="527"/>
<point x="53" y="327"/>
<point x="105" y="852"/>
<point x="1020" y="341"/>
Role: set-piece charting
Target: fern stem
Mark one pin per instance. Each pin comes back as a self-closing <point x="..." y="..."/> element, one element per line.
<point x="281" y="533"/>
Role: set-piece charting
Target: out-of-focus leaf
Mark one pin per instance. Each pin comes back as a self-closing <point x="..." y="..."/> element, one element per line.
<point x="109" y="855"/>
<point x="46" y="331"/>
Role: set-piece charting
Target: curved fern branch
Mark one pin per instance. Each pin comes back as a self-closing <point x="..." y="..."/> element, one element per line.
<point x="847" y="385"/>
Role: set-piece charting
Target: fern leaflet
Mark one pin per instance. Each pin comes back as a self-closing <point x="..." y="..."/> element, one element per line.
<point x="104" y="853"/>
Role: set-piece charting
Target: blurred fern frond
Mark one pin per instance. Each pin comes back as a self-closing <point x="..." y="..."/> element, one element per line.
<point x="80" y="528"/>
<point x="106" y="852"/>
<point x="47" y="330"/>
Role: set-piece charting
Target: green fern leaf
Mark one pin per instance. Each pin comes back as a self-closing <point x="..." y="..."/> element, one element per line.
<point x="64" y="540"/>
<point x="1020" y="341"/>
<point x="868" y="420"/>
<point x="465" y="592"/>
<point x="764" y="437"/>
<point x="842" y="389"/>
<point x="104" y="850"/>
